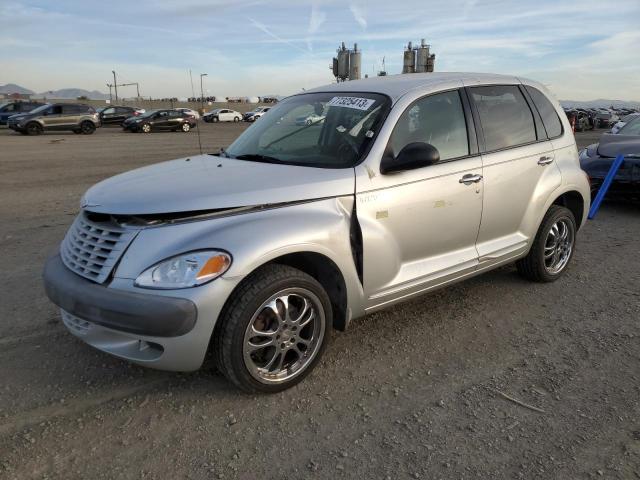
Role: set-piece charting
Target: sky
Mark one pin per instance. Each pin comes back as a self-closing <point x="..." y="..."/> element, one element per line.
<point x="580" y="49"/>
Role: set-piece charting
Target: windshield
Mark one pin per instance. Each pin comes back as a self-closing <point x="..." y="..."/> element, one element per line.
<point x="631" y="128"/>
<point x="41" y="108"/>
<point x="326" y="130"/>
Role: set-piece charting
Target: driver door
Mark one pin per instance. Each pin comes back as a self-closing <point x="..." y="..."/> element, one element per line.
<point x="419" y="227"/>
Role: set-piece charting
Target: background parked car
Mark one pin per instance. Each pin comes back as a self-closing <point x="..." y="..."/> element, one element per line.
<point x="623" y="121"/>
<point x="596" y="160"/>
<point x="78" y="118"/>
<point x="13" y="108"/>
<point x="606" y="119"/>
<point x="189" y="111"/>
<point x="222" y="115"/>
<point x="160" y="120"/>
<point x="310" y="119"/>
<point x="255" y="114"/>
<point x="117" y="114"/>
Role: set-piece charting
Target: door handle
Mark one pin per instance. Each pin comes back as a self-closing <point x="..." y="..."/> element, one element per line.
<point x="470" y="178"/>
<point x="545" y="160"/>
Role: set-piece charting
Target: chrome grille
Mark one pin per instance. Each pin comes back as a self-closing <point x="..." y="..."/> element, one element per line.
<point x="92" y="248"/>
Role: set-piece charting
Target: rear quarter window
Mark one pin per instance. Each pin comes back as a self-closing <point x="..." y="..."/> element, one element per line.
<point x="505" y="116"/>
<point x="550" y="119"/>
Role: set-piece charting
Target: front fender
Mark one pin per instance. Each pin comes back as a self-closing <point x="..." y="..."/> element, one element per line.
<point x="256" y="238"/>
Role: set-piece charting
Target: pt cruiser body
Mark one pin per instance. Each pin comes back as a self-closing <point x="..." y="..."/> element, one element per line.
<point x="408" y="183"/>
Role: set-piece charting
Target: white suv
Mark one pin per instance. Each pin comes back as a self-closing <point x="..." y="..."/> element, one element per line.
<point x="409" y="183"/>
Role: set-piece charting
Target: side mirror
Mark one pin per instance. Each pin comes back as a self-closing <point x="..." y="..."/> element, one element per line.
<point x="413" y="155"/>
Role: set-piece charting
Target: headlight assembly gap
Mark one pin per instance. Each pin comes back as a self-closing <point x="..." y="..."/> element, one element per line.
<point x="186" y="270"/>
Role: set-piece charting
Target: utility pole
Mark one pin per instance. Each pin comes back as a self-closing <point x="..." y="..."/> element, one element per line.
<point x="110" y="96"/>
<point x="115" y="84"/>
<point x="193" y="92"/>
<point x="202" y="91"/>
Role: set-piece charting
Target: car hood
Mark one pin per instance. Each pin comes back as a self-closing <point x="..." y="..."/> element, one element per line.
<point x="19" y="116"/>
<point x="612" y="145"/>
<point x="208" y="182"/>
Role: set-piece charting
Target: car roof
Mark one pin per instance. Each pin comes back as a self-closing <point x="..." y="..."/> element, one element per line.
<point x="395" y="86"/>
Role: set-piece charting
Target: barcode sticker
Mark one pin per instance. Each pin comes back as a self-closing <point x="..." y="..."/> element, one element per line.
<point x="351" y="102"/>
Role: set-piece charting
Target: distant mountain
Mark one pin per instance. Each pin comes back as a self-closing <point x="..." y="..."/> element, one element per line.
<point x="600" y="103"/>
<point x="13" y="88"/>
<point x="73" y="93"/>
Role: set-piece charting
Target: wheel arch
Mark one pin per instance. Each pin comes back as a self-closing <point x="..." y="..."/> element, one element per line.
<point x="327" y="273"/>
<point x="574" y="201"/>
<point x="321" y="268"/>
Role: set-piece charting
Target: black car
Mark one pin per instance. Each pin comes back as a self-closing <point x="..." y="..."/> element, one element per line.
<point x="117" y="114"/>
<point x="14" y="108"/>
<point x="596" y="161"/>
<point x="159" y="120"/>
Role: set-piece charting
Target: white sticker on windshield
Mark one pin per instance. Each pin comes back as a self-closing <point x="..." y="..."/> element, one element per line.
<point x="351" y="102"/>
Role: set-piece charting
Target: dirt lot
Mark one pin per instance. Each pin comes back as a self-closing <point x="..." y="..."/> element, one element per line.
<point x="409" y="393"/>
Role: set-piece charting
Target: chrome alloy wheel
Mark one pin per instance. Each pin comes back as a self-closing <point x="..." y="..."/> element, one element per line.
<point x="558" y="246"/>
<point x="284" y="335"/>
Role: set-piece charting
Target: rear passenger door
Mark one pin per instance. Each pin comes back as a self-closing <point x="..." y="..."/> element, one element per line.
<point x="518" y="166"/>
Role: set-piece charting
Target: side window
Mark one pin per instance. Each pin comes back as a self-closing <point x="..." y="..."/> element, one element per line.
<point x="12" y="107"/>
<point x="437" y="119"/>
<point x="55" y="110"/>
<point x="71" y="109"/>
<point x="108" y="111"/>
<point x="550" y="119"/>
<point x="506" y="118"/>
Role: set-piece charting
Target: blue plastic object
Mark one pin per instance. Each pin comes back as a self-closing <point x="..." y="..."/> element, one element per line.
<point x="615" y="166"/>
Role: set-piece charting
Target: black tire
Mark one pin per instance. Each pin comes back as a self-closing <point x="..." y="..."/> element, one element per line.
<point x="236" y="119"/>
<point x="34" y="128"/>
<point x="77" y="131"/>
<point x="533" y="267"/>
<point x="87" y="127"/>
<point x="229" y="335"/>
<point x="215" y="119"/>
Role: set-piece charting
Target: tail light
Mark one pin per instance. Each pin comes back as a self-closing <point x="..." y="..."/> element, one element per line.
<point x="136" y="113"/>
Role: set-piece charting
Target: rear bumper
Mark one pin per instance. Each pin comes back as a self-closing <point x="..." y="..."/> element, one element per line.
<point x="131" y="312"/>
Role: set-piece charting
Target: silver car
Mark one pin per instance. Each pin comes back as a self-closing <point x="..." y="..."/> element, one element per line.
<point x="256" y="253"/>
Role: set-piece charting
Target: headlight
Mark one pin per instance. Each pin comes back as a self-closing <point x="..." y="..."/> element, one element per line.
<point x="186" y="270"/>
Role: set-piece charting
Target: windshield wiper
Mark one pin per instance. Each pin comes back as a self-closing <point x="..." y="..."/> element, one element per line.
<point x="256" y="157"/>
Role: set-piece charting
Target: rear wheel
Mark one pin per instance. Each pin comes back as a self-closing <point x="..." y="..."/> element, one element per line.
<point x="236" y="119"/>
<point x="87" y="127"/>
<point x="552" y="247"/>
<point x="34" y="128"/>
<point x="185" y="127"/>
<point x="273" y="330"/>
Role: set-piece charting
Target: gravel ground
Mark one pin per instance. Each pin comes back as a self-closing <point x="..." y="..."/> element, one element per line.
<point x="416" y="392"/>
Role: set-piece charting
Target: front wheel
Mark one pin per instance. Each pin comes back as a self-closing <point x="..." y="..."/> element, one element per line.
<point x="273" y="330"/>
<point x="34" y="128"/>
<point x="552" y="247"/>
<point x="236" y="119"/>
<point x="146" y="128"/>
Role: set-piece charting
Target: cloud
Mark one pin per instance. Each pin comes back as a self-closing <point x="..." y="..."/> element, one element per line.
<point x="316" y="20"/>
<point x="358" y="15"/>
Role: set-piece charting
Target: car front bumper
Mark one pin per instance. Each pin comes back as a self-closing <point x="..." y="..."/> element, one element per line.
<point x="148" y="327"/>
